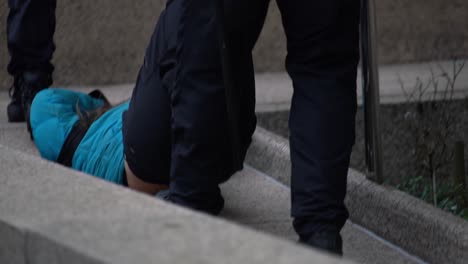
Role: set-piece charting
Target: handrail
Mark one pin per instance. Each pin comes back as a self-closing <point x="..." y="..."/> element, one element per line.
<point x="370" y="86"/>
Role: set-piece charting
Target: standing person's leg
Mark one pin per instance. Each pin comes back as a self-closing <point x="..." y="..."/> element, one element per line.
<point x="201" y="149"/>
<point x="30" y="30"/>
<point x="244" y="22"/>
<point x="323" y="39"/>
<point x="147" y="125"/>
<point x="147" y="122"/>
<point x="200" y="146"/>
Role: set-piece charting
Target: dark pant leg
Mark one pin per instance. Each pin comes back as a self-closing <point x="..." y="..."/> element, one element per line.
<point x="199" y="125"/>
<point x="147" y="122"/>
<point x="322" y="61"/>
<point x="244" y="22"/>
<point x="201" y="150"/>
<point x="30" y="31"/>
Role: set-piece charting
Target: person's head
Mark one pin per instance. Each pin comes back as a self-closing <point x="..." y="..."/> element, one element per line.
<point x="87" y="117"/>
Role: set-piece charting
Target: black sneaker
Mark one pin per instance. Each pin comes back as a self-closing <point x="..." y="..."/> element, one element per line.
<point x="15" y="110"/>
<point x="327" y="240"/>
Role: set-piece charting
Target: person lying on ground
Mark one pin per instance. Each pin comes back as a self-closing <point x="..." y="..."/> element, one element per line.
<point x="84" y="132"/>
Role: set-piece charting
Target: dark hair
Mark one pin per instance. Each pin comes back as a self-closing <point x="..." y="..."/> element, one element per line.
<point x="86" y="118"/>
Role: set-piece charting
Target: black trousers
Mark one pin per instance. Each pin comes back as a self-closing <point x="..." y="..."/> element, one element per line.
<point x="30" y="31"/>
<point x="176" y="127"/>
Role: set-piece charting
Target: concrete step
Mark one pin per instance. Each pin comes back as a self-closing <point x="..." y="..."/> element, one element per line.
<point x="434" y="235"/>
<point x="103" y="42"/>
<point x="51" y="214"/>
<point x="253" y="199"/>
<point x="262" y="203"/>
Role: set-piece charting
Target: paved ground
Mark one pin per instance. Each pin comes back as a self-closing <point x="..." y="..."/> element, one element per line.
<point x="253" y="199"/>
<point x="274" y="90"/>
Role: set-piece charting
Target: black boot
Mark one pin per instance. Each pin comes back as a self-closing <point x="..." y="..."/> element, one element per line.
<point x="327" y="240"/>
<point x="22" y="93"/>
<point x="15" y="110"/>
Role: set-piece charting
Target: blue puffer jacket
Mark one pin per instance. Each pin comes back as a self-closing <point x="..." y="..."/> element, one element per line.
<point x="100" y="153"/>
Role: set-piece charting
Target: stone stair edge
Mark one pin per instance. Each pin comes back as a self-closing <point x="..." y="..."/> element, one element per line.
<point x="36" y="226"/>
<point x="421" y="229"/>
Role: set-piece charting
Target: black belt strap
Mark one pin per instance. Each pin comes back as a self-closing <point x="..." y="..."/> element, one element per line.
<point x="71" y="144"/>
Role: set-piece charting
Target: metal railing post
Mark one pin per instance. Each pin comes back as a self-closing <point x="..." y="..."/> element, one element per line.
<point x="371" y="95"/>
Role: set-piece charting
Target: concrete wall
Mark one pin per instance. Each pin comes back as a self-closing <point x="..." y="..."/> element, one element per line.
<point x="421" y="30"/>
<point x="102" y="42"/>
<point x="97" y="41"/>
